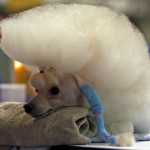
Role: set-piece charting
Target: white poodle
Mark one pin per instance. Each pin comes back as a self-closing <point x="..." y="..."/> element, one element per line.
<point x="102" y="46"/>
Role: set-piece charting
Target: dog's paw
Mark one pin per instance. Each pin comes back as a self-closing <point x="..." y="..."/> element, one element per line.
<point x="126" y="139"/>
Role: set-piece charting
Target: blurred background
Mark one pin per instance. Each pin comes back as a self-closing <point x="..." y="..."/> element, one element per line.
<point x="14" y="76"/>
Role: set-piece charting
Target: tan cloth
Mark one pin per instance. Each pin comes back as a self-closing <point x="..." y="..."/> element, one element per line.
<point x="72" y="125"/>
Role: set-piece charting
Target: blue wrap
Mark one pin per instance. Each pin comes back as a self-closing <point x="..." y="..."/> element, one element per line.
<point x="97" y="108"/>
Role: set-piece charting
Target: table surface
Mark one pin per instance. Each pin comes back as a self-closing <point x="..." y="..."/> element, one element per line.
<point x="144" y="145"/>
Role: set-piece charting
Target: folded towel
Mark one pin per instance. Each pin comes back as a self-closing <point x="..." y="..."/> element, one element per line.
<point x="71" y="125"/>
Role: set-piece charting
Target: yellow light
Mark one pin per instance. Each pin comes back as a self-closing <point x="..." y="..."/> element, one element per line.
<point x="19" y="5"/>
<point x="17" y="64"/>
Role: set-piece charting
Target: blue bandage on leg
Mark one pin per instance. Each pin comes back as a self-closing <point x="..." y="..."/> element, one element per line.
<point x="97" y="108"/>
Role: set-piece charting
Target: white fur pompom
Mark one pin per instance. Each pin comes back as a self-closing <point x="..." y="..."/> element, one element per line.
<point x="68" y="37"/>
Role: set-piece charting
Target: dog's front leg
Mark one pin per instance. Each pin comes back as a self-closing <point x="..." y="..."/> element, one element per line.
<point x="124" y="129"/>
<point x="120" y="126"/>
<point x="124" y="139"/>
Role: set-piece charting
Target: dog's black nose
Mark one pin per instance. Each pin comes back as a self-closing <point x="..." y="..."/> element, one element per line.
<point x="28" y="108"/>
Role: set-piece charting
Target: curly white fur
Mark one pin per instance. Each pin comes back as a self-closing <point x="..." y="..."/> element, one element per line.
<point x="98" y="43"/>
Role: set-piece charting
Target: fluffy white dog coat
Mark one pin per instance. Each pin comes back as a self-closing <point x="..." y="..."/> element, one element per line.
<point x="98" y="43"/>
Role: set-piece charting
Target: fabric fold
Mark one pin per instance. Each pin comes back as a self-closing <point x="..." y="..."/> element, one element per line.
<point x="70" y="125"/>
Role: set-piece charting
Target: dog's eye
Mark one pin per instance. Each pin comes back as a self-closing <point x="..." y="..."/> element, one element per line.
<point x="36" y="90"/>
<point x="54" y="90"/>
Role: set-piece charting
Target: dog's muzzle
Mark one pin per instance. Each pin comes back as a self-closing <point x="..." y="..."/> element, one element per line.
<point x="28" y="107"/>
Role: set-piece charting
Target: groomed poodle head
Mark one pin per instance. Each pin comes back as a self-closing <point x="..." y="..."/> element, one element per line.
<point x="54" y="90"/>
<point x="103" y="46"/>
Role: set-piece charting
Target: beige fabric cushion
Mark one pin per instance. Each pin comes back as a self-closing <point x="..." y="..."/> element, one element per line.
<point x="71" y="125"/>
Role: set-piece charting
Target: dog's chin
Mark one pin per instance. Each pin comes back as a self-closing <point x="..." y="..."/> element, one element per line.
<point x="42" y="115"/>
